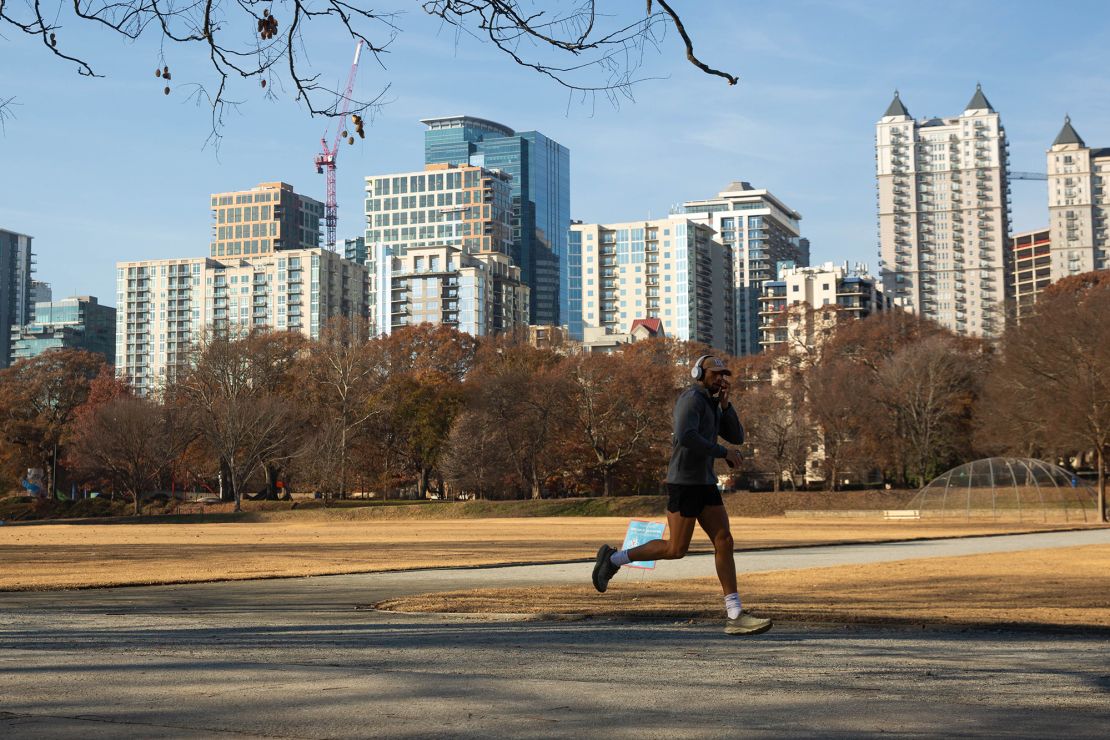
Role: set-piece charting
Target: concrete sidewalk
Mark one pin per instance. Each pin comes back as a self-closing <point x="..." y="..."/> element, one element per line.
<point x="293" y="658"/>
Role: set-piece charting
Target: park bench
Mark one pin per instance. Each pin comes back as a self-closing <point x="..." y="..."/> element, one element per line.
<point x="901" y="514"/>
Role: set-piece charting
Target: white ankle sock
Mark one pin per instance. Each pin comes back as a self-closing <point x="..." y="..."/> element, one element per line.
<point x="620" y="557"/>
<point x="732" y="605"/>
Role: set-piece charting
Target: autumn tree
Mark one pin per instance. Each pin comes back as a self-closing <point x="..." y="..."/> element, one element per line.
<point x="237" y="387"/>
<point x="520" y="393"/>
<point x="776" y="430"/>
<point x="1051" y="384"/>
<point x="675" y="356"/>
<point x="426" y="365"/>
<point x="840" y="414"/>
<point x="38" y="399"/>
<point x="339" y="380"/>
<point x="131" y="443"/>
<point x="621" y="410"/>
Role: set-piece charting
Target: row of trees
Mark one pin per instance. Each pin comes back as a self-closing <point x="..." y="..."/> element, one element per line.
<point x="898" y="399"/>
<point x="429" y="410"/>
<point x="425" y="409"/>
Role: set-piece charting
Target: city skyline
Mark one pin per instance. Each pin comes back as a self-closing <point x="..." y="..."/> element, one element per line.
<point x="800" y="123"/>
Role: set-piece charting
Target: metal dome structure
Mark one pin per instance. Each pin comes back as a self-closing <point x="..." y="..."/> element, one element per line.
<point x="1007" y="488"/>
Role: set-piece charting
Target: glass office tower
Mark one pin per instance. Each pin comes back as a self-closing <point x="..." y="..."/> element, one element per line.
<point x="540" y="168"/>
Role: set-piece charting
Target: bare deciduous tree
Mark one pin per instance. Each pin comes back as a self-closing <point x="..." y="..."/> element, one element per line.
<point x="475" y="459"/>
<point x="777" y="431"/>
<point x="1052" y="381"/>
<point x="925" y="391"/>
<point x="840" y="414"/>
<point x="131" y="443"/>
<point x="618" y="409"/>
<point x="341" y="378"/>
<point x="234" y="386"/>
<point x="522" y="394"/>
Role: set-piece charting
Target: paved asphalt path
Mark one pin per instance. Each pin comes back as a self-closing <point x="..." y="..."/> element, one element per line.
<point x="294" y="658"/>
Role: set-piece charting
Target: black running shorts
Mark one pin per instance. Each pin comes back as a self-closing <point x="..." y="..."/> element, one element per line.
<point x="689" y="500"/>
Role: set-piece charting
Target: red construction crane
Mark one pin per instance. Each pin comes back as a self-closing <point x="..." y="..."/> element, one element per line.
<point x="326" y="159"/>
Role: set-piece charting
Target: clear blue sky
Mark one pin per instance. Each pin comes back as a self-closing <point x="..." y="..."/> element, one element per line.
<point x="100" y="170"/>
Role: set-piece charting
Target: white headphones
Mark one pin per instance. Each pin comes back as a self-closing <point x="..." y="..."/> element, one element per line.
<point x="697" y="372"/>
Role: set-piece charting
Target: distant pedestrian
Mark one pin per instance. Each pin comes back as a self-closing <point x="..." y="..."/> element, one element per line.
<point x="701" y="414"/>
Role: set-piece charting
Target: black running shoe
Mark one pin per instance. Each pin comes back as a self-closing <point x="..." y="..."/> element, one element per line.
<point x="604" y="568"/>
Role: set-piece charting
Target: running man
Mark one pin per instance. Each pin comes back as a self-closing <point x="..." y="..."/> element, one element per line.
<point x="702" y="412"/>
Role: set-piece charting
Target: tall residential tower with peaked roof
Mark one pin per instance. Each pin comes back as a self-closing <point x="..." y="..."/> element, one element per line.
<point x="944" y="215"/>
<point x="1078" y="204"/>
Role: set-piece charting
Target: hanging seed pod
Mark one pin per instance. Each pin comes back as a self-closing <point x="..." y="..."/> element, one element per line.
<point x="157" y="73"/>
<point x="263" y="83"/>
<point x="265" y="13"/>
<point x="350" y="140"/>
<point x="165" y="75"/>
<point x="53" y="40"/>
<point x="166" y="71"/>
<point x="260" y="25"/>
<point x="360" y="134"/>
<point x="167" y="90"/>
<point x="344" y="134"/>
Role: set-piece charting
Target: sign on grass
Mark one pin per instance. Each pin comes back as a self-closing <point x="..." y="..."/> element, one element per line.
<point x="639" y="532"/>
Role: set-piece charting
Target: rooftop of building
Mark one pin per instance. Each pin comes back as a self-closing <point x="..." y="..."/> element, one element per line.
<point x="979" y="101"/>
<point x="1068" y="135"/>
<point x="56" y="301"/>
<point x="276" y="185"/>
<point x="442" y="122"/>
<point x="443" y="167"/>
<point x="896" y="107"/>
<point x="741" y="190"/>
<point x="652" y="325"/>
<point x="641" y="223"/>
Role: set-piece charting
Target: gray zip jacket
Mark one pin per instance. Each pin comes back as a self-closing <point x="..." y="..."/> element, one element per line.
<point x="698" y="421"/>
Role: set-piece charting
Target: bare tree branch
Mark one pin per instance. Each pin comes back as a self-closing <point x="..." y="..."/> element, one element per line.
<point x="263" y="41"/>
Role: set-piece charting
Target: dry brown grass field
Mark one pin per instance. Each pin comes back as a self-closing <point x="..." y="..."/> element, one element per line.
<point x="53" y="556"/>
<point x="1059" y="587"/>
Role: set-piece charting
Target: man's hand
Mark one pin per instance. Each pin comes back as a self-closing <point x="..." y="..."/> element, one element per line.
<point x="732" y="457"/>
<point x="722" y="395"/>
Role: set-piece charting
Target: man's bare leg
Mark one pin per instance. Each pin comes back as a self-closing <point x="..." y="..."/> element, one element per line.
<point x="714" y="520"/>
<point x="674" y="548"/>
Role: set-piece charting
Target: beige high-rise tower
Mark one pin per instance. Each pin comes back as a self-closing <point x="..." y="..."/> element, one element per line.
<point x="1078" y="204"/>
<point x="944" y="215"/>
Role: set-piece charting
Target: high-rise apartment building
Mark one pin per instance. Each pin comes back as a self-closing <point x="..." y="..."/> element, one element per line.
<point x="671" y="269"/>
<point x="79" y="322"/>
<point x="762" y="232"/>
<point x="1078" y="204"/>
<point x="540" y="170"/>
<point x="41" y="292"/>
<point x="17" y="264"/>
<point x="355" y="249"/>
<point x="479" y="293"/>
<point x="464" y="206"/>
<point x="944" y="215"/>
<point x="804" y="303"/>
<point x="267" y="218"/>
<point x="1032" y="257"/>
<point x="166" y="306"/>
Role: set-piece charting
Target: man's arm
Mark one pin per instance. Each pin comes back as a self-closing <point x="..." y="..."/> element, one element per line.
<point x="686" y="428"/>
<point x="730" y="427"/>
